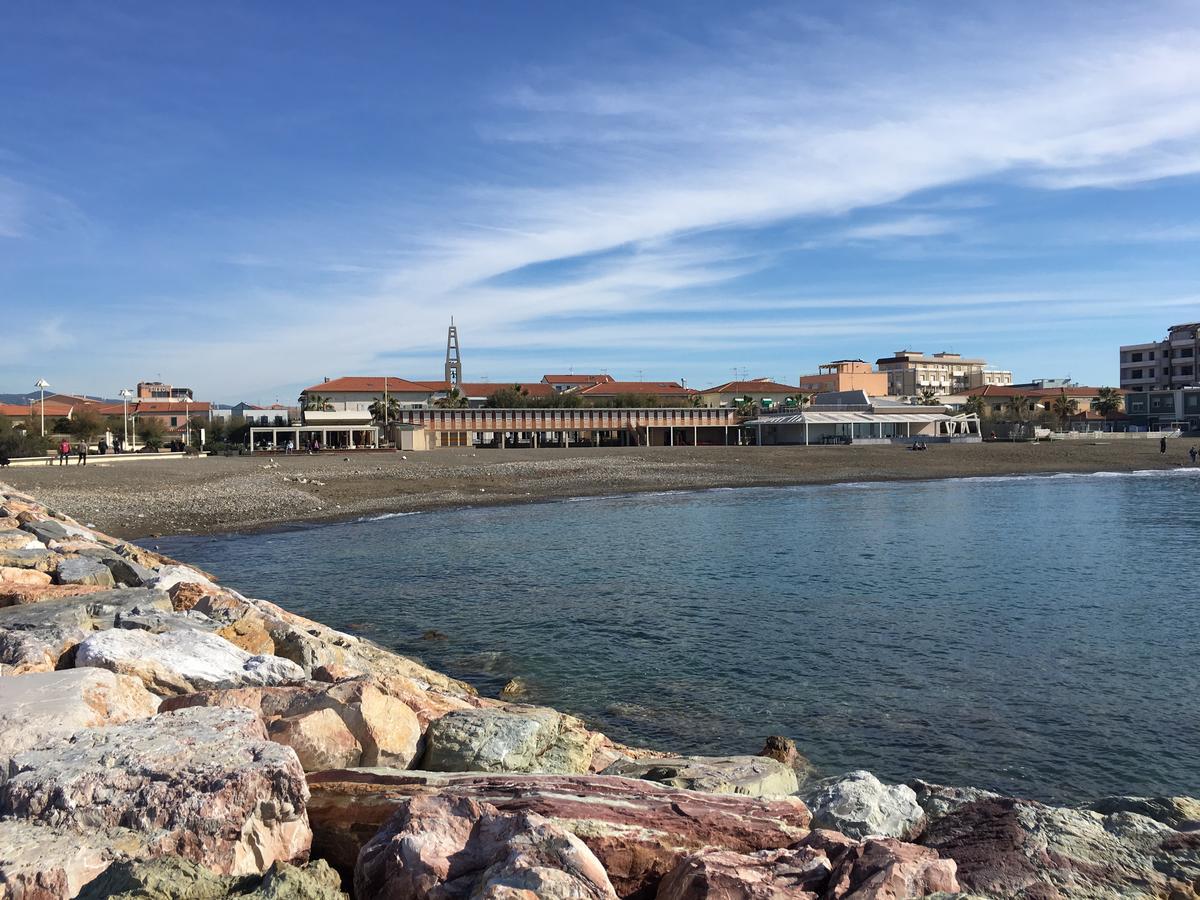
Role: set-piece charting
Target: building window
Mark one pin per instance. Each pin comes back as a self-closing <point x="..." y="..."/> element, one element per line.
<point x="1135" y="357"/>
<point x="1150" y="355"/>
<point x="174" y="421"/>
<point x="1187" y="352"/>
<point x="1136" y="373"/>
<point x="1185" y="370"/>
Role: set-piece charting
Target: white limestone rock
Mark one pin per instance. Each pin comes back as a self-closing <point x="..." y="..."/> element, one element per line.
<point x="860" y="805"/>
<point x="181" y="662"/>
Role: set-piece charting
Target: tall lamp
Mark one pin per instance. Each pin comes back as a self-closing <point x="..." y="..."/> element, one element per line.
<point x="126" y="393"/>
<point x="41" y="385"/>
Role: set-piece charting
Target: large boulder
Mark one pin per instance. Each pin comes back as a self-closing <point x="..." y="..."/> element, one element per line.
<point x="800" y="873"/>
<point x="12" y="594"/>
<point x="1181" y="813"/>
<point x="439" y="846"/>
<point x="859" y="805"/>
<point x="1018" y="848"/>
<point x="518" y="739"/>
<point x="179" y="662"/>
<point x="938" y="800"/>
<point x="15" y="539"/>
<point x="40" y="559"/>
<point x="38" y="636"/>
<point x="754" y="776"/>
<point x="41" y="708"/>
<point x="382" y="730"/>
<point x="38" y="862"/>
<point x="12" y="576"/>
<point x="885" y="868"/>
<point x="176" y="878"/>
<point x="638" y="830"/>
<point x="205" y="784"/>
<point x="83" y="570"/>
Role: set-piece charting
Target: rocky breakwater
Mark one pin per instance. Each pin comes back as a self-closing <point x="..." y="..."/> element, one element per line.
<point x="163" y="736"/>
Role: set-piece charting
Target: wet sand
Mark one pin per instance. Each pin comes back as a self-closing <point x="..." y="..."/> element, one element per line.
<point x="217" y="494"/>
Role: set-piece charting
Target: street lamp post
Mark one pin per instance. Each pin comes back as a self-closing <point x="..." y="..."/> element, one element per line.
<point x="126" y="393"/>
<point x="41" y="385"/>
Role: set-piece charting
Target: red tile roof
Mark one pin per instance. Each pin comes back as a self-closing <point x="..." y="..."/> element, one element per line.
<point x="756" y="386"/>
<point x="577" y="379"/>
<point x="367" y="384"/>
<point x="156" y="407"/>
<point x="654" y="388"/>
<point x="35" y="408"/>
<point x="1010" y="390"/>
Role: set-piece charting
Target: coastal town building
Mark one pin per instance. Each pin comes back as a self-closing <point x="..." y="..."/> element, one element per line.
<point x="910" y="372"/>
<point x="997" y="399"/>
<point x="275" y="414"/>
<point x="762" y="392"/>
<point x="174" y="414"/>
<point x="156" y="390"/>
<point x="1164" y="410"/>
<point x="1162" y="365"/>
<point x="358" y="393"/>
<point x="854" y="417"/>
<point x="563" y="383"/>
<point x="845" y="375"/>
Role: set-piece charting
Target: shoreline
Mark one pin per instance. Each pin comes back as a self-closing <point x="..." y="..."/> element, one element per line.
<point x="218" y="495"/>
<point x="130" y="677"/>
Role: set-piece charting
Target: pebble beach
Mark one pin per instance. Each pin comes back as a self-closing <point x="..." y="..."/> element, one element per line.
<point x="218" y="494"/>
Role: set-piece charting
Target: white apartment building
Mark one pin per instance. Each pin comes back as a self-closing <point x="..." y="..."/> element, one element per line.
<point x="1162" y="365"/>
<point x="910" y="371"/>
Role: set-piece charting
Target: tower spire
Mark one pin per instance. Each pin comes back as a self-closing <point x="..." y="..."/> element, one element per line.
<point x="453" y="361"/>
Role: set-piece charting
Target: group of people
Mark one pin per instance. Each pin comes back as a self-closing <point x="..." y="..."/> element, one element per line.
<point x="310" y="447"/>
<point x="64" y="452"/>
<point x="919" y="445"/>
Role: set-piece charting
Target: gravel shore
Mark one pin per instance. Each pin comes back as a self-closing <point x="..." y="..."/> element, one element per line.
<point x="218" y="494"/>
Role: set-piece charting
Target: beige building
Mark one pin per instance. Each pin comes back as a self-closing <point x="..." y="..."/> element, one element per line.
<point x="846" y="375"/>
<point x="909" y="372"/>
<point x="762" y="391"/>
<point x="1162" y="365"/>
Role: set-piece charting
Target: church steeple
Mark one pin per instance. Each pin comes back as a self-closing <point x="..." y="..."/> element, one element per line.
<point x="453" y="360"/>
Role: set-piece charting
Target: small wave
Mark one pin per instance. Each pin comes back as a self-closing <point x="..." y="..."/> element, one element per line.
<point x="383" y="516"/>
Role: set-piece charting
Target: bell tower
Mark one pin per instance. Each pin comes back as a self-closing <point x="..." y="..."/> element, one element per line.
<point x="453" y="361"/>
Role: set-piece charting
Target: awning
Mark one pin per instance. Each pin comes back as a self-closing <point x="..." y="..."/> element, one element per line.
<point x="851" y="418"/>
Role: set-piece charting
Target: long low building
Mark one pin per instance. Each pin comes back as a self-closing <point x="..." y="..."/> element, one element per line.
<point x="852" y="417"/>
<point x="634" y="427"/>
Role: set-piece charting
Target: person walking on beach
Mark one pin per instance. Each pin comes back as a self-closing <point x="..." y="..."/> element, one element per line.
<point x="1162" y="445"/>
<point x="1193" y="453"/>
<point x="82" y="453"/>
<point x="64" y="451"/>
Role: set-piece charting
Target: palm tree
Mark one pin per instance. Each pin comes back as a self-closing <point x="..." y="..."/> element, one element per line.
<point x="1064" y="407"/>
<point x="1108" y="401"/>
<point x="974" y="406"/>
<point x="452" y="400"/>
<point x="315" y="402"/>
<point x="1018" y="405"/>
<point x="928" y="397"/>
<point x="384" y="413"/>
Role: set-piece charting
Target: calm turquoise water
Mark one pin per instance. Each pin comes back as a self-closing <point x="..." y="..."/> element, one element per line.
<point x="1037" y="636"/>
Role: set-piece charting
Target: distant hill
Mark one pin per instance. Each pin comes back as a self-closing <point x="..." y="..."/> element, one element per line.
<point x="17" y="398"/>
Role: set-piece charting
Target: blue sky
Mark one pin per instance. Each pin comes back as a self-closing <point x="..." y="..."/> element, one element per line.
<point x="248" y="197"/>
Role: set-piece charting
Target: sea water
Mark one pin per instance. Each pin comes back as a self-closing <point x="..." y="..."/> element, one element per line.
<point x="1035" y="635"/>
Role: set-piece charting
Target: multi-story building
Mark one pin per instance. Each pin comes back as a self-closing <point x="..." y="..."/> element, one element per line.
<point x="1162" y="410"/>
<point x="909" y="372"/>
<point x="156" y="390"/>
<point x="1162" y="365"/>
<point x="845" y="375"/>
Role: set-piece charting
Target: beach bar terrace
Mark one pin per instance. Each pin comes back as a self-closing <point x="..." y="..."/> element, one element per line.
<point x="851" y="417"/>
<point x="336" y="430"/>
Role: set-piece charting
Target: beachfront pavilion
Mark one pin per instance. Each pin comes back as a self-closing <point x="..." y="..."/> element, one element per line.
<point x="336" y="430"/>
<point x="858" y="427"/>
